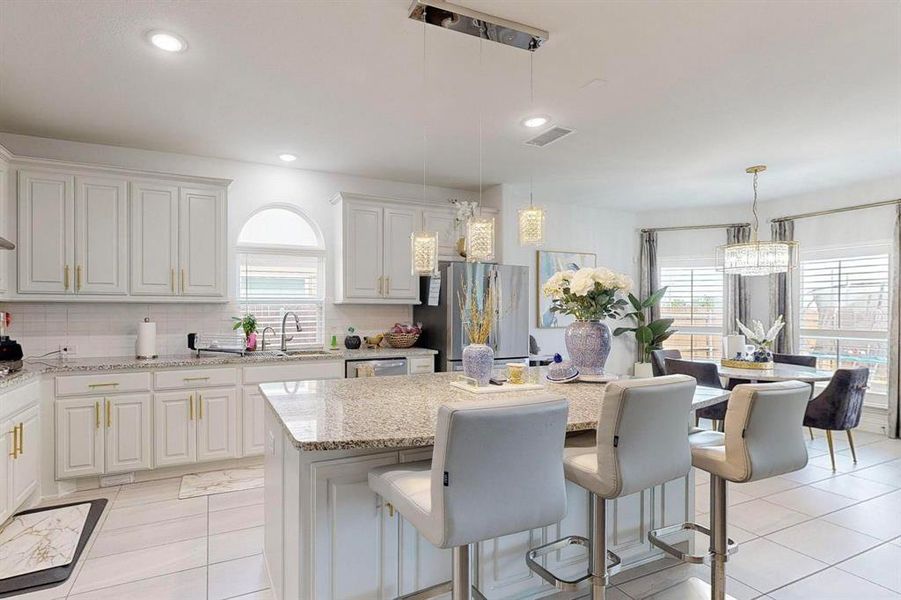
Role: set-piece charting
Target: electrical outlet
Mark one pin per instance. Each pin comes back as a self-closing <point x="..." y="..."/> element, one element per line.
<point x="67" y="350"/>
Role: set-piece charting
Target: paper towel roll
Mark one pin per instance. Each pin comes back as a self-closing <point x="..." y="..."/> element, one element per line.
<point x="734" y="345"/>
<point x="145" y="345"/>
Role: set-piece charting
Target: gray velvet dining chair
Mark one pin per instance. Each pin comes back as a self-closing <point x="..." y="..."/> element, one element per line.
<point x="838" y="407"/>
<point x="706" y="374"/>
<point x="658" y="360"/>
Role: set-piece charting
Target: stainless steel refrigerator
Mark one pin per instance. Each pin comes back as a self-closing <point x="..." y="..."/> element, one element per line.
<point x="443" y="326"/>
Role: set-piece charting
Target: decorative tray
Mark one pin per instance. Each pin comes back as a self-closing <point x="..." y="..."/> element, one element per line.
<point x="746" y="364"/>
<point x="496" y="389"/>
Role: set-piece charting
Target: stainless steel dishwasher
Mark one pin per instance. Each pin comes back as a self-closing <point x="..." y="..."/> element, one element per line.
<point x="375" y="368"/>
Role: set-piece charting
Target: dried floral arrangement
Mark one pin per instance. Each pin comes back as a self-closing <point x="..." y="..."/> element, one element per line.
<point x="476" y="309"/>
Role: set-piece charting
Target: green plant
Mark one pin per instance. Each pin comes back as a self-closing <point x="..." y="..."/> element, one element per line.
<point x="248" y="323"/>
<point x="650" y="336"/>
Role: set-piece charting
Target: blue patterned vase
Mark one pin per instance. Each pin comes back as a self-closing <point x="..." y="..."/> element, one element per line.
<point x="588" y="345"/>
<point x="478" y="359"/>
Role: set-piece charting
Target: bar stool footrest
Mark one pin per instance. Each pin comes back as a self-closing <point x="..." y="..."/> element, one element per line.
<point x="436" y="590"/>
<point x="566" y="585"/>
<point x="655" y="535"/>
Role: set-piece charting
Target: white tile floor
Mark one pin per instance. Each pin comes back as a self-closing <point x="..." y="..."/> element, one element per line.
<point x="811" y="534"/>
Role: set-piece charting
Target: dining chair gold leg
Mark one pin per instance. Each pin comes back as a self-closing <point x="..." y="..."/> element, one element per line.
<point x="831" y="451"/>
<point x="851" y="443"/>
<point x="810" y="429"/>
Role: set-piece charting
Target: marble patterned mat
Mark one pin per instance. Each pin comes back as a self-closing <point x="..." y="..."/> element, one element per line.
<point x="41" y="540"/>
<point x="219" y="482"/>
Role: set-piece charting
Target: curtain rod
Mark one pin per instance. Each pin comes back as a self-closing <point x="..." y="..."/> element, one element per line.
<point x="833" y="211"/>
<point x="686" y="227"/>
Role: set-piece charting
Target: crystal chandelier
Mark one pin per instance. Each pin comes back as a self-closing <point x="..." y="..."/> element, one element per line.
<point x="531" y="218"/>
<point x="479" y="229"/>
<point x="756" y="258"/>
<point x="424" y="244"/>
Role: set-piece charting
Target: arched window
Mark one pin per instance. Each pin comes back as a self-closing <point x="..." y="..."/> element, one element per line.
<point x="281" y="264"/>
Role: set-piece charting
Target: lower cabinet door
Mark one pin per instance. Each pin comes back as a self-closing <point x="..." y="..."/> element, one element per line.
<point x="128" y="433"/>
<point x="6" y="460"/>
<point x="253" y="429"/>
<point x="355" y="538"/>
<point x="217" y="424"/>
<point x="79" y="437"/>
<point x="26" y="468"/>
<point x="175" y="428"/>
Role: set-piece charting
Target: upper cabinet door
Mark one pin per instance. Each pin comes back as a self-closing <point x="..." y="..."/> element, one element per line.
<point x="154" y="239"/>
<point x="4" y="228"/>
<point x="399" y="283"/>
<point x="46" y="247"/>
<point x="442" y="221"/>
<point x="101" y="236"/>
<point x="201" y="242"/>
<point x="363" y="250"/>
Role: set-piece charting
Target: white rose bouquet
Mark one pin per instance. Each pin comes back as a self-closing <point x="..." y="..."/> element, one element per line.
<point x="588" y="294"/>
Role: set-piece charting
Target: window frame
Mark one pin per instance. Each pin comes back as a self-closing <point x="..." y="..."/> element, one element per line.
<point x="694" y="263"/>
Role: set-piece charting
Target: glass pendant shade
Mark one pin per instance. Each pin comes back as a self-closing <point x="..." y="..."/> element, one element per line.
<point x="480" y="239"/>
<point x="757" y="258"/>
<point x="424" y="250"/>
<point x="531" y="226"/>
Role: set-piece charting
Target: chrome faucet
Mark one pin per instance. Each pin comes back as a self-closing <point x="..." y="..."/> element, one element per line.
<point x="285" y="340"/>
<point x="263" y="343"/>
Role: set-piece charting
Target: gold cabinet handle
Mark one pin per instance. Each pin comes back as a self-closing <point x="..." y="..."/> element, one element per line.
<point x="100" y="385"/>
<point x="387" y="286"/>
<point x="109" y="414"/>
<point x="15" y="434"/>
<point x="172" y="280"/>
<point x="66" y="277"/>
<point x="199" y="406"/>
<point x="21" y="438"/>
<point x="97" y="415"/>
<point x="203" y="378"/>
<point x="78" y="278"/>
<point x="191" y="407"/>
<point x="182" y="281"/>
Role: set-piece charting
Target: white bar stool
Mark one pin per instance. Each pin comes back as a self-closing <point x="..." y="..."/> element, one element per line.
<point x="762" y="438"/>
<point x="496" y="469"/>
<point x="641" y="441"/>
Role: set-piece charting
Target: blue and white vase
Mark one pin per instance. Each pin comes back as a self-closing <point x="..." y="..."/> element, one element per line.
<point x="478" y="360"/>
<point x="588" y="345"/>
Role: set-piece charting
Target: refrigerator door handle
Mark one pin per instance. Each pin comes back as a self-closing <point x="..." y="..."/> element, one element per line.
<point x="498" y="291"/>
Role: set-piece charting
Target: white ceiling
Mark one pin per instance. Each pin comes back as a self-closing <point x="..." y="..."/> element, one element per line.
<point x="691" y="92"/>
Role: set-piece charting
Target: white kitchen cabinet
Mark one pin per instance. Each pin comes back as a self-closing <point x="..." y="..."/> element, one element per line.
<point x="355" y="539"/>
<point x="253" y="425"/>
<point x="363" y="251"/>
<point x="443" y="221"/>
<point x="46" y="243"/>
<point x="201" y="242"/>
<point x="217" y="424"/>
<point x="154" y="239"/>
<point x="7" y="447"/>
<point x="399" y="224"/>
<point x="79" y="437"/>
<point x="128" y="433"/>
<point x="175" y="429"/>
<point x="101" y="236"/>
<point x="4" y="227"/>
<point x="25" y="469"/>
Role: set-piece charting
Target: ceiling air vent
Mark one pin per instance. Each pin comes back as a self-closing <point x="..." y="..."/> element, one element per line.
<point x="548" y="137"/>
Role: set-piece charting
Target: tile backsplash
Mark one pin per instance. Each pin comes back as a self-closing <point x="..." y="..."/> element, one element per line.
<point x="110" y="329"/>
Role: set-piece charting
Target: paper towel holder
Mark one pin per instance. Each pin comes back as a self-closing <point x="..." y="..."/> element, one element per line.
<point x="141" y="352"/>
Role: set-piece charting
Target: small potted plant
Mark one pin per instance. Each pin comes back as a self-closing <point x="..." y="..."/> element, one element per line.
<point x="761" y="339"/>
<point x="650" y="336"/>
<point x="247" y="323"/>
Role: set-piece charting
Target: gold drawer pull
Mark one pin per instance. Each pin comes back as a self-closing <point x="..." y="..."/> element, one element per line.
<point x="78" y="278"/>
<point x="195" y="378"/>
<point x="21" y="438"/>
<point x="172" y="280"/>
<point x="191" y="407"/>
<point x="100" y="385"/>
<point x="199" y="406"/>
<point x="182" y="281"/>
<point x="97" y="415"/>
<point x="109" y="414"/>
<point x="15" y="434"/>
<point x="66" y="277"/>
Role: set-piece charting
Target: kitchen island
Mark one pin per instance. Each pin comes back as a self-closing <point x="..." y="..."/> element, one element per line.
<point x="327" y="536"/>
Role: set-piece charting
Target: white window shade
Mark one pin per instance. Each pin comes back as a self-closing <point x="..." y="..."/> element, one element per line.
<point x="694" y="300"/>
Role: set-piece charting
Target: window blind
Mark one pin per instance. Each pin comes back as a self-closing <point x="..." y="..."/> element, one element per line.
<point x="694" y="300"/>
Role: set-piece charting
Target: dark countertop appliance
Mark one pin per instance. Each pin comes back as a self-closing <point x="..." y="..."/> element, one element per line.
<point x="10" y="350"/>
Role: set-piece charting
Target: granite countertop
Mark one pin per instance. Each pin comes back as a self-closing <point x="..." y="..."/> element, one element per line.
<point x="36" y="367"/>
<point x="400" y="412"/>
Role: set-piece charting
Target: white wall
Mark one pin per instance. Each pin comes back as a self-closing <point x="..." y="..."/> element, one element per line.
<point x="105" y="330"/>
<point x="610" y="234"/>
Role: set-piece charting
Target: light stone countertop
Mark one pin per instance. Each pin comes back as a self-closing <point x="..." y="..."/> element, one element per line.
<point x="38" y="366"/>
<point x="400" y="412"/>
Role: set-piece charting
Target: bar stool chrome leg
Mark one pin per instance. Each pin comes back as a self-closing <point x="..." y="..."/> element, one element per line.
<point x="719" y="542"/>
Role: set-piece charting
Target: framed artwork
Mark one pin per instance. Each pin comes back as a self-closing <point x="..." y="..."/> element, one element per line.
<point x="549" y="262"/>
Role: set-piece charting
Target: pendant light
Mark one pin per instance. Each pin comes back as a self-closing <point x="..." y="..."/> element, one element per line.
<point x="424" y="244"/>
<point x="479" y="229"/>
<point x="531" y="217"/>
<point x="756" y="258"/>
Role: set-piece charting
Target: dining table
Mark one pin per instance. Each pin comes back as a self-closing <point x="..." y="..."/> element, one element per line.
<point x="779" y="372"/>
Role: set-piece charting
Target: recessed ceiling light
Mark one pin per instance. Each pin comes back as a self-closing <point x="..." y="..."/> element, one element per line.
<point x="167" y="41"/>
<point x="287" y="157"/>
<point x="536" y="121"/>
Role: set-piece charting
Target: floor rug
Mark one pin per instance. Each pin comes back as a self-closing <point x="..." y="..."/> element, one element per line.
<point x="219" y="482"/>
<point x="39" y="548"/>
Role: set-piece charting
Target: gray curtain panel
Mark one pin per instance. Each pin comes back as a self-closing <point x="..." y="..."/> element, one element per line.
<point x="648" y="277"/>
<point x="894" y="377"/>
<point x="736" y="298"/>
<point x="782" y="286"/>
